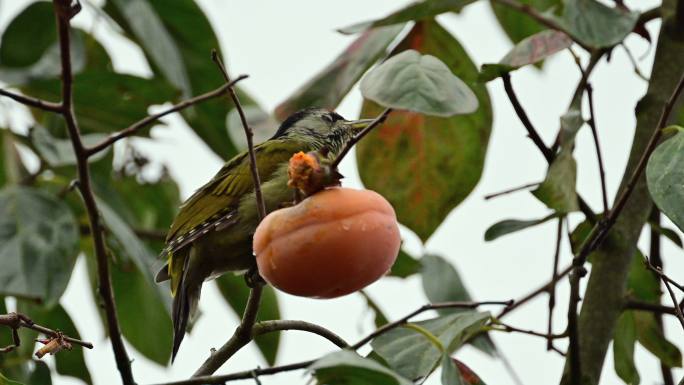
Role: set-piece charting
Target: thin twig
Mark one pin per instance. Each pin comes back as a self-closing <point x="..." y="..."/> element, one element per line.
<point x="655" y="258"/>
<point x="678" y="310"/>
<point x="135" y="127"/>
<point x="243" y="375"/>
<point x="597" y="146"/>
<point x="441" y="305"/>
<point x="377" y="121"/>
<point x="511" y="190"/>
<point x="278" y="325"/>
<point x="549" y="154"/>
<point x="241" y="337"/>
<point x="33" y="102"/>
<point x="541" y="18"/>
<point x="512" y="329"/>
<point x="632" y="60"/>
<point x="525" y="120"/>
<point x="554" y="277"/>
<point x="63" y="12"/>
<point x="543" y="289"/>
<point x="249" y="134"/>
<point x="16" y="321"/>
<point x="650" y="307"/>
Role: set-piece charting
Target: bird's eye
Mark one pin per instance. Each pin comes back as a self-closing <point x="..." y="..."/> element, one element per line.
<point x="327" y="118"/>
<point x="333" y="117"/>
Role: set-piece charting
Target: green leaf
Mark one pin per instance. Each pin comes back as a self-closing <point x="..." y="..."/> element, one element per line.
<point x="346" y="367"/>
<point x="651" y="337"/>
<point x="59" y="152"/>
<point x="596" y="24"/>
<point x="139" y="306"/>
<point x="624" y="338"/>
<point x="419" y="83"/>
<point x="5" y="381"/>
<point x="153" y="36"/>
<point x="557" y="191"/>
<point x="26" y="54"/>
<point x="192" y="34"/>
<point x="512" y="225"/>
<point x="642" y="283"/>
<point x="668" y="233"/>
<point x="379" y="317"/>
<point x="436" y="162"/>
<point x="124" y="239"/>
<point x="12" y="169"/>
<point x="105" y="101"/>
<point x="38" y="244"/>
<point x="327" y="88"/>
<point x="405" y="265"/>
<point x="40" y="374"/>
<point x="68" y="363"/>
<point x="531" y="50"/>
<point x="21" y="45"/>
<point x="236" y="292"/>
<point x="519" y="25"/>
<point x="421" y="10"/>
<point x="450" y="373"/>
<point x="413" y="356"/>
<point x="664" y="174"/>
<point x="442" y="283"/>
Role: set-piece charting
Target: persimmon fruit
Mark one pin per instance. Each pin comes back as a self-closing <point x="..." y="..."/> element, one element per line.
<point x="333" y="243"/>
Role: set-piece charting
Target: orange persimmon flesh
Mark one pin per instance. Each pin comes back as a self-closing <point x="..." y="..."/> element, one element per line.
<point x="333" y="243"/>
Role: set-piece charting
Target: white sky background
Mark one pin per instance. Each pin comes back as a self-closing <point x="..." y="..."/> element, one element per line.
<point x="281" y="44"/>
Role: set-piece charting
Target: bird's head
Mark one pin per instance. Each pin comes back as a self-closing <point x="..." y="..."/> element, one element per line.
<point x="321" y="128"/>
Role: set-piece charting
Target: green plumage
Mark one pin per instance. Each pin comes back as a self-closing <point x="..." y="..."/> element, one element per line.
<point x="212" y="233"/>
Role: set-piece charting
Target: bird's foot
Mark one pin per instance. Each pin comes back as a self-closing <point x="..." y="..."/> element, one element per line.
<point x="253" y="278"/>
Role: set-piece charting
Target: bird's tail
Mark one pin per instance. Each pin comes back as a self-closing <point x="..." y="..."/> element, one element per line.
<point x="184" y="306"/>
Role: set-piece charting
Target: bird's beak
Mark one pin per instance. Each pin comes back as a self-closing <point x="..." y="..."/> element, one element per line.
<point x="358" y="125"/>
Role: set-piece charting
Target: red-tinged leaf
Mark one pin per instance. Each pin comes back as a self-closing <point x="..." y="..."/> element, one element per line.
<point x="467" y="374"/>
<point x="425" y="166"/>
<point x="329" y="87"/>
<point x="529" y="51"/>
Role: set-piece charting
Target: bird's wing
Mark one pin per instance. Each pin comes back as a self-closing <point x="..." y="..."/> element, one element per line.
<point x="215" y="203"/>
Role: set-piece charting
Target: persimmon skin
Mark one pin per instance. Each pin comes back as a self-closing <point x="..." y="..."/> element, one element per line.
<point x="333" y="243"/>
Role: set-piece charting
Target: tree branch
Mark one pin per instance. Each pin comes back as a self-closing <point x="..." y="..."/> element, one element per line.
<point x="33" y="102"/>
<point x="241" y="337"/>
<point x="63" y="12"/>
<point x="381" y="118"/>
<point x="249" y="134"/>
<point x="135" y="127"/>
<point x="655" y="258"/>
<point x="597" y="146"/>
<point x="632" y="304"/>
<point x="549" y="154"/>
<point x="543" y="289"/>
<point x="440" y="305"/>
<point x="278" y="325"/>
<point x="16" y="321"/>
<point x="554" y="277"/>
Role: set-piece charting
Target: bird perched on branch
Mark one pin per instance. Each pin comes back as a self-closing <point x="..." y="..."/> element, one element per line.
<point x="212" y="233"/>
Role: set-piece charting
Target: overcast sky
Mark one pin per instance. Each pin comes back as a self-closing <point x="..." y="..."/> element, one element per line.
<point x="281" y="44"/>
